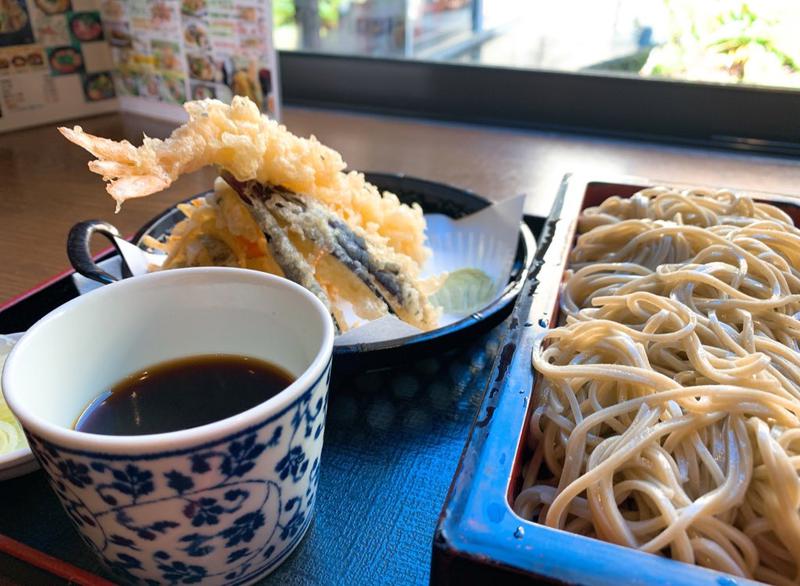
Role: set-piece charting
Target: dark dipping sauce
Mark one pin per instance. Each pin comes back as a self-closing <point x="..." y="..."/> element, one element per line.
<point x="183" y="393"/>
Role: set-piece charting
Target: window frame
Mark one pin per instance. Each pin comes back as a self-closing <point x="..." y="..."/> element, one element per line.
<point x="758" y="119"/>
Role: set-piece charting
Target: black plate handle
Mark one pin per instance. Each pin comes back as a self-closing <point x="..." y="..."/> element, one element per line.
<point x="80" y="253"/>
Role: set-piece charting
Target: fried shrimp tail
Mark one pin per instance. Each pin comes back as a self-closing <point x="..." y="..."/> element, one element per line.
<point x="117" y="163"/>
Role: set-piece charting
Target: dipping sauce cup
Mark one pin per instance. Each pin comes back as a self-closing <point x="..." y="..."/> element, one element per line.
<point x="223" y="503"/>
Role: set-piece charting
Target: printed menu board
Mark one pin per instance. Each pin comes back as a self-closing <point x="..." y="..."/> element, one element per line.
<point x="68" y="58"/>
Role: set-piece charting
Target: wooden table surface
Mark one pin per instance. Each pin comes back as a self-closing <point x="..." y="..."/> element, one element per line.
<point x="45" y="187"/>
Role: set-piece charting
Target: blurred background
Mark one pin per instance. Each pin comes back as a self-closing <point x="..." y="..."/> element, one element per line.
<point x="722" y="41"/>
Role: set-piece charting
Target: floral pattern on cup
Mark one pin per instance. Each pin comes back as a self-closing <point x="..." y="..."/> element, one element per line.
<point x="245" y="500"/>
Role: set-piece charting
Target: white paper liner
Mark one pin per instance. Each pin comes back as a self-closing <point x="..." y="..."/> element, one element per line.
<point x="486" y="240"/>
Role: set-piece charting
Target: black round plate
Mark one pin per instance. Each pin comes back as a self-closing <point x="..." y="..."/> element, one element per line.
<point x="434" y="198"/>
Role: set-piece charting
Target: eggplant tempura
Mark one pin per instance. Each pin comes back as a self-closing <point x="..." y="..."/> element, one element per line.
<point x="283" y="205"/>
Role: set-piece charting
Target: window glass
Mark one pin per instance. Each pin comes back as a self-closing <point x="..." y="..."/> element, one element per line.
<point x="722" y="41"/>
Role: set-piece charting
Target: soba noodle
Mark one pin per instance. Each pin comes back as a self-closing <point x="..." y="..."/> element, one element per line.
<point x="668" y="417"/>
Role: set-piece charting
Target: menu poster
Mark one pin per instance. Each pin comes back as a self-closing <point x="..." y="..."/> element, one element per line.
<point x="68" y="58"/>
<point x="170" y="51"/>
<point x="54" y="62"/>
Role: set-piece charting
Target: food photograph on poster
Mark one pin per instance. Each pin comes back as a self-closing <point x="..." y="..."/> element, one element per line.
<point x="86" y="26"/>
<point x="53" y="6"/>
<point x="15" y="23"/>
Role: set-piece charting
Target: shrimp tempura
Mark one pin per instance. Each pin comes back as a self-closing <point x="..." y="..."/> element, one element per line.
<point x="250" y="146"/>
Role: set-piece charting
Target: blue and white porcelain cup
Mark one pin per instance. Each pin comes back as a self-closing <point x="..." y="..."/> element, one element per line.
<point x="224" y="503"/>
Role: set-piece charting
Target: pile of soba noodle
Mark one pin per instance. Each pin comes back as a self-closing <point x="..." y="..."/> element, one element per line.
<point x="668" y="419"/>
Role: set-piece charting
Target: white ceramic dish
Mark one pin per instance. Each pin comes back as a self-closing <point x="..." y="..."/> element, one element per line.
<point x="18" y="462"/>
